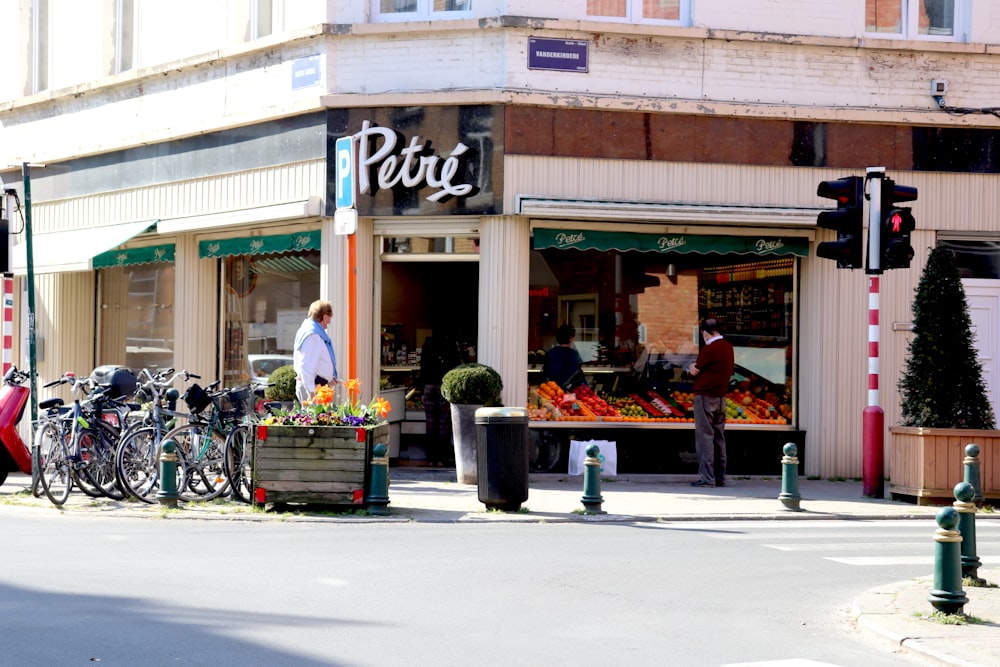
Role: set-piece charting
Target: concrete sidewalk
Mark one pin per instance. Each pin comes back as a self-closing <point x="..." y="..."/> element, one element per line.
<point x="897" y="613"/>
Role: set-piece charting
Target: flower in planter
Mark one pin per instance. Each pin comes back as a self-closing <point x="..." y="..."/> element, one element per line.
<point x="322" y="411"/>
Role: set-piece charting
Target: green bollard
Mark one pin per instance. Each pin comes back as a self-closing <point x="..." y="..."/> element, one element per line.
<point x="167" y="494"/>
<point x="966" y="508"/>
<point x="378" y="483"/>
<point x="592" y="499"/>
<point x="971" y="466"/>
<point x="947" y="596"/>
<point x="789" y="495"/>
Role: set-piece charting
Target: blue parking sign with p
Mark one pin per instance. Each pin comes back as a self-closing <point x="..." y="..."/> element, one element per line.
<point x="345" y="172"/>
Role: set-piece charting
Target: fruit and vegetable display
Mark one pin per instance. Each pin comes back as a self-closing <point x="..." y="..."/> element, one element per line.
<point x="549" y="402"/>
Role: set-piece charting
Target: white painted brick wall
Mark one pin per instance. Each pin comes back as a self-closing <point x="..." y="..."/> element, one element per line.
<point x="628" y="68"/>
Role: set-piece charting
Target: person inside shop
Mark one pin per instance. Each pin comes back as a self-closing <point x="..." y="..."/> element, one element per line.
<point x="563" y="364"/>
<point x="438" y="355"/>
<point x="312" y="353"/>
<point x="712" y="371"/>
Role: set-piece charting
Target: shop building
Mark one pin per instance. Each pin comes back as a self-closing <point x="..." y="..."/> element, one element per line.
<point x="625" y="174"/>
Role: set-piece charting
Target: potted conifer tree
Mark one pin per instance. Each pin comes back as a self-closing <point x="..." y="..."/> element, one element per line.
<point x="943" y="400"/>
<point x="469" y="387"/>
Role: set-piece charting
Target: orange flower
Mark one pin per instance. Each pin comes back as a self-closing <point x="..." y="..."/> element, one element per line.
<point x="353" y="387"/>
<point x="382" y="407"/>
<point x="324" y="395"/>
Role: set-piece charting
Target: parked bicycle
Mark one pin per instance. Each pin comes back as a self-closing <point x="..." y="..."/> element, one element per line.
<point x="137" y="458"/>
<point x="75" y="447"/>
<point x="239" y="449"/>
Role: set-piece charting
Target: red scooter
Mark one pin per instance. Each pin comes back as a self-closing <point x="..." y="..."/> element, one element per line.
<point x="14" y="455"/>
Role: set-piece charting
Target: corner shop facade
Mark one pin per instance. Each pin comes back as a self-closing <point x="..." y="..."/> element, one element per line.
<point x="227" y="191"/>
<point x="525" y="201"/>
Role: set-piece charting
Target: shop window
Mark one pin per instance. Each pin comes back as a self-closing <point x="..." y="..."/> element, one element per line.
<point x="976" y="258"/>
<point x="265" y="300"/>
<point x="414" y="10"/>
<point x="641" y="11"/>
<point x="636" y="316"/>
<point x="137" y="316"/>
<point x="915" y="19"/>
<point x="424" y="245"/>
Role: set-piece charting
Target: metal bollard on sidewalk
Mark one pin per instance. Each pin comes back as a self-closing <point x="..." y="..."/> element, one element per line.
<point x="789" y="495"/>
<point x="378" y="486"/>
<point x="168" y="494"/>
<point x="966" y="508"/>
<point x="947" y="595"/>
<point x="592" y="499"/>
<point x="971" y="467"/>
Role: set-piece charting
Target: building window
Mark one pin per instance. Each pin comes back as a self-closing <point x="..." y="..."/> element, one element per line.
<point x="915" y="19"/>
<point x="263" y="17"/>
<point x="41" y="45"/>
<point x="137" y="316"/>
<point x="641" y="11"/>
<point x="415" y="10"/>
<point x="265" y="298"/>
<point x="125" y="26"/>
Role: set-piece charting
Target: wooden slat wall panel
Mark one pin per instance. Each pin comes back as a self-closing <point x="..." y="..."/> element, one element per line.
<point x="503" y="303"/>
<point x="259" y="187"/>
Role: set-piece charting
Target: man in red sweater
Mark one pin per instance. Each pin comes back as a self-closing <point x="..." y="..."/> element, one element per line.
<point x="711" y="371"/>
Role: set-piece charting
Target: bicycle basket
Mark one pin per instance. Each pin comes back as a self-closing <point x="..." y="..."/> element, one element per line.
<point x="234" y="404"/>
<point x="197" y="399"/>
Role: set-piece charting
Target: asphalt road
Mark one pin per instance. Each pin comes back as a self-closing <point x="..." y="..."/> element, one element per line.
<point x="82" y="590"/>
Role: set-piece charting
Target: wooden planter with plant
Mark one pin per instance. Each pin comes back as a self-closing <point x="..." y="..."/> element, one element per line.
<point x="944" y="405"/>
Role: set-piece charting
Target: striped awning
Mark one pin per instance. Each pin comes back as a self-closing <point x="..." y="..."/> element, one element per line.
<point x="586" y="239"/>
<point x="260" y="245"/>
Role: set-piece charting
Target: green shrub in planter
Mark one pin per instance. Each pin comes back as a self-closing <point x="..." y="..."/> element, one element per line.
<point x="472" y="384"/>
<point x="282" y="384"/>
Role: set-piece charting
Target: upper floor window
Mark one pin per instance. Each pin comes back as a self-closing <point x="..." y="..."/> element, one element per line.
<point x="641" y="11"/>
<point x="416" y="10"/>
<point x="125" y="29"/>
<point x="264" y="17"/>
<point x="41" y="45"/>
<point x="915" y="19"/>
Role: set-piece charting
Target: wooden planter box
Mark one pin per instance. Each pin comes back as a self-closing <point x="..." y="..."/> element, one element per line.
<point x="926" y="463"/>
<point x="328" y="465"/>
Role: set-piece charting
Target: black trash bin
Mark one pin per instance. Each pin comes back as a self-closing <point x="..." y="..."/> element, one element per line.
<point x="502" y="457"/>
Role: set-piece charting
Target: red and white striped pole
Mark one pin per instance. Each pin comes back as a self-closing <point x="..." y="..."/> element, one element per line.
<point x="8" y="322"/>
<point x="873" y="465"/>
<point x="873" y="446"/>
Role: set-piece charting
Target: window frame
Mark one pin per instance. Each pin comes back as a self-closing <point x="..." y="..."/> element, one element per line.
<point x="424" y="12"/>
<point x="633" y="14"/>
<point x="910" y="28"/>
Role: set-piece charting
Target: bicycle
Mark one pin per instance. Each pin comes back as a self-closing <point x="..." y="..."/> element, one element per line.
<point x="137" y="458"/>
<point x="238" y="459"/>
<point x="75" y="450"/>
<point x="201" y="443"/>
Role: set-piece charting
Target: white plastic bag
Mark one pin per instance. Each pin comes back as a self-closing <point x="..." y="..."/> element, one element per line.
<point x="608" y="456"/>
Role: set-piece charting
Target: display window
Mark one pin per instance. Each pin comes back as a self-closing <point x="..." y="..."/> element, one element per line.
<point x="635" y="313"/>
<point x="265" y="298"/>
<point x="136" y="315"/>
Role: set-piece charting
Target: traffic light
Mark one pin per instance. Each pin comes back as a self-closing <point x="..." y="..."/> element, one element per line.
<point x="897" y="223"/>
<point x="847" y="219"/>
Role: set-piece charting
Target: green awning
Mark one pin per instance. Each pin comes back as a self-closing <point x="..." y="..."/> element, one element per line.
<point x="585" y="239"/>
<point x="260" y="245"/>
<point x="130" y="256"/>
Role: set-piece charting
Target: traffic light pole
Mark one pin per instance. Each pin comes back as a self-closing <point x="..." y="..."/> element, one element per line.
<point x="873" y="443"/>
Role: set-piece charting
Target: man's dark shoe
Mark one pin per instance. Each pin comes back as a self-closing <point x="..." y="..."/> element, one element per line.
<point x="723" y="483"/>
<point x="701" y="483"/>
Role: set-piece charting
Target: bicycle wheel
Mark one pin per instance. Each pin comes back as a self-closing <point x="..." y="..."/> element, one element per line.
<point x="205" y="476"/>
<point x="99" y="443"/>
<point x="239" y="448"/>
<point x="55" y="469"/>
<point x="137" y="464"/>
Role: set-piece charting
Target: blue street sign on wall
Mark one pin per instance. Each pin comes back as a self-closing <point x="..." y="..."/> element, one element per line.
<point x="567" y="55"/>
<point x="345" y="172"/>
